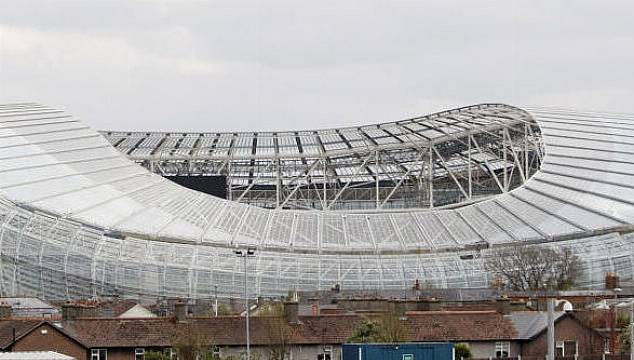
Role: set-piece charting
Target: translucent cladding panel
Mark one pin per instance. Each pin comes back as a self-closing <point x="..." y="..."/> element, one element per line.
<point x="306" y="230"/>
<point x="351" y="273"/>
<point x="408" y="228"/>
<point x="200" y="210"/>
<point x="620" y="130"/>
<point x="507" y="221"/>
<point x="333" y="231"/>
<point x="392" y="271"/>
<point x="603" y="189"/>
<point x="34" y="175"/>
<point x="289" y="272"/>
<point x="371" y="274"/>
<point x="269" y="272"/>
<point x="606" y="206"/>
<point x="597" y="174"/>
<point x="574" y="213"/>
<point x="358" y="232"/>
<point x="599" y="135"/>
<point x="177" y="281"/>
<point x="280" y="228"/>
<point x="538" y="219"/>
<point x="87" y="198"/>
<point x="617" y="167"/>
<point x="587" y="144"/>
<point x="308" y="273"/>
<point x="330" y="266"/>
<point x="433" y="230"/>
<point x="384" y="234"/>
<point x="255" y="227"/>
<point x="47" y="137"/>
<point x="458" y="228"/>
<point x="232" y="215"/>
<point x="483" y="225"/>
<point x="68" y="185"/>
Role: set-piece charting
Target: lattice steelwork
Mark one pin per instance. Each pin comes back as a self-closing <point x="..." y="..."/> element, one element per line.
<point x="437" y="160"/>
<point x="78" y="219"/>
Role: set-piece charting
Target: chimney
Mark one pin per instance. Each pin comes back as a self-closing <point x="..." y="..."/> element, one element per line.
<point x="291" y="311"/>
<point x="611" y="281"/>
<point x="431" y="304"/>
<point x="180" y="311"/>
<point x="73" y="311"/>
<point x="503" y="305"/>
<point x="6" y="311"/>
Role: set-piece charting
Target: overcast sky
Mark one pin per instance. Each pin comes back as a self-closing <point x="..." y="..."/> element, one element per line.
<point x="271" y="65"/>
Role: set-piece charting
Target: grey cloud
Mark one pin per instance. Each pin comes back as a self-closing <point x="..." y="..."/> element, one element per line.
<point x="257" y="65"/>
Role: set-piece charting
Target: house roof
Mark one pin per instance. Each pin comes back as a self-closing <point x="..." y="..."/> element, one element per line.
<point x="428" y="326"/>
<point x="15" y="328"/>
<point x="460" y="326"/>
<point x="530" y="323"/>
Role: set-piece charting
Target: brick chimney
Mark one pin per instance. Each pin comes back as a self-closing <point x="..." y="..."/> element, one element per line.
<point x="180" y="311"/>
<point x="291" y="311"/>
<point x="503" y="305"/>
<point x="6" y="311"/>
<point x="430" y="304"/>
<point x="72" y="311"/>
<point x="611" y="281"/>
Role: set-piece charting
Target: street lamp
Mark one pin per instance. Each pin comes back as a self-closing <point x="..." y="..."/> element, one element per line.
<point x="249" y="252"/>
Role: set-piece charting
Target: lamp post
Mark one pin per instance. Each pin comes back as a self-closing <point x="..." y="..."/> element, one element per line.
<point x="249" y="252"/>
<point x="613" y="336"/>
<point x="216" y="300"/>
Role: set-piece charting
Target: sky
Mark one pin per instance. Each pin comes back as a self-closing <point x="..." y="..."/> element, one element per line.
<point x="287" y="64"/>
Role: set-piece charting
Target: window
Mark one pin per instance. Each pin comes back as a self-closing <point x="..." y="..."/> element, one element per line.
<point x="566" y="348"/>
<point x="215" y="352"/>
<point x="170" y="353"/>
<point x="139" y="353"/>
<point x="326" y="355"/>
<point x="98" y="354"/>
<point x="502" y="349"/>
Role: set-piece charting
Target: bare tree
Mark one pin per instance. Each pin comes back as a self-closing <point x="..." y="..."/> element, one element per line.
<point x="279" y="331"/>
<point x="524" y="267"/>
<point x="388" y="328"/>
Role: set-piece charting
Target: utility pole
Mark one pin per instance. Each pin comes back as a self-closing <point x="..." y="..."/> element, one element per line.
<point x="249" y="252"/>
<point x="216" y="300"/>
<point x="631" y="330"/>
<point x="551" y="328"/>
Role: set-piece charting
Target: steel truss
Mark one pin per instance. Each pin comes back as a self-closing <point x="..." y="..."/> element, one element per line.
<point x="466" y="161"/>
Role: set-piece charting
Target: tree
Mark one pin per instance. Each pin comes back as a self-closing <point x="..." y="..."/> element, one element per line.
<point x="191" y="345"/>
<point x="279" y="331"/>
<point x="388" y="328"/>
<point x="462" y="351"/>
<point x="523" y="267"/>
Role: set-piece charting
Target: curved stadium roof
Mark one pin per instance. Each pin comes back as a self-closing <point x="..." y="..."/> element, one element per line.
<point x="79" y="218"/>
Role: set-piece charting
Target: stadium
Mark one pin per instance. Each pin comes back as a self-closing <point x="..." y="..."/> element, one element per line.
<point x="377" y="207"/>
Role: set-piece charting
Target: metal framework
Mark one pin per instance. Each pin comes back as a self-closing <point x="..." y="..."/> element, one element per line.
<point x="443" y="159"/>
<point x="79" y="219"/>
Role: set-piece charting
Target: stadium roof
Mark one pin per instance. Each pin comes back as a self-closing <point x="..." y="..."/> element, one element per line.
<point x="54" y="166"/>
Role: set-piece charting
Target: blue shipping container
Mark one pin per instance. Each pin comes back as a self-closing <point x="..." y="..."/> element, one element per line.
<point x="404" y="351"/>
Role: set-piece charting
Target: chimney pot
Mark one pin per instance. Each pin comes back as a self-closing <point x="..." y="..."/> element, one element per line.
<point x="291" y="311"/>
<point x="180" y="311"/>
<point x="6" y="311"/>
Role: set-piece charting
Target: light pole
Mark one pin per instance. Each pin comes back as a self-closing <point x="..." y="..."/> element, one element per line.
<point x="216" y="300"/>
<point x="613" y="336"/>
<point x="249" y="252"/>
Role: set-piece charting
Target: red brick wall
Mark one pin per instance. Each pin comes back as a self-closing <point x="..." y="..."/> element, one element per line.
<point x="53" y="340"/>
<point x="567" y="329"/>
